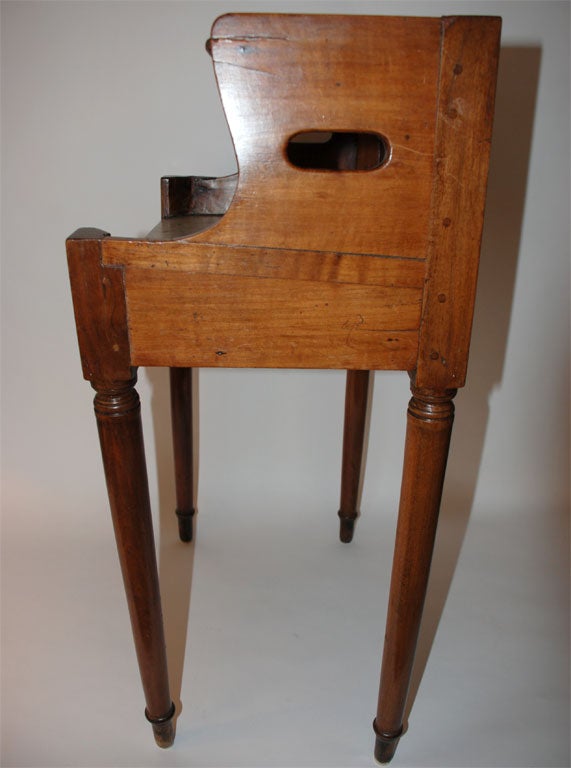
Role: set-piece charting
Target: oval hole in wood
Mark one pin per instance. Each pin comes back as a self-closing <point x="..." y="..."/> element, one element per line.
<point x="337" y="150"/>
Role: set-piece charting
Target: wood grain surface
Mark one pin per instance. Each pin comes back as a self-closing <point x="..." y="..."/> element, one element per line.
<point x="177" y="319"/>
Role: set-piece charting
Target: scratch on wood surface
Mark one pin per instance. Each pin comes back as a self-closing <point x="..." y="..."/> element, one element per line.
<point x="246" y="38"/>
<point x="445" y="174"/>
<point x="243" y="66"/>
<point x="414" y="151"/>
<point x="353" y="325"/>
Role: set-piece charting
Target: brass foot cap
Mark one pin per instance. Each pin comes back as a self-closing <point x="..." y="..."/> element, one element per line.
<point x="185" y="527"/>
<point x="346" y="529"/>
<point x="385" y="750"/>
<point x="163" y="728"/>
<point x="386" y="745"/>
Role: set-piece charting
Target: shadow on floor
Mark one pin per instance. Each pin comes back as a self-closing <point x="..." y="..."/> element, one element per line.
<point x="518" y="78"/>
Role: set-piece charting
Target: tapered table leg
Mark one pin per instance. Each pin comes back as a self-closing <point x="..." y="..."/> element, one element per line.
<point x="429" y="424"/>
<point x="118" y="415"/>
<point x="356" y="394"/>
<point x="181" y="413"/>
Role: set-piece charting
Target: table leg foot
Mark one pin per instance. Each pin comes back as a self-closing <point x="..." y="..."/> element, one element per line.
<point x="386" y="745"/>
<point x="185" y="525"/>
<point x="347" y="528"/>
<point x="163" y="728"/>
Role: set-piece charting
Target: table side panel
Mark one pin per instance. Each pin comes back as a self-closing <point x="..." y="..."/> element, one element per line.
<point x="281" y="75"/>
<point x="203" y="320"/>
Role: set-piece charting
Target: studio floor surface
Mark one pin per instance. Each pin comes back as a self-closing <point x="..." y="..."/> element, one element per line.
<point x="274" y="636"/>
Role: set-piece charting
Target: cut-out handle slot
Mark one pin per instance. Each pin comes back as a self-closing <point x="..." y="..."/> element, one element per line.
<point x="337" y="150"/>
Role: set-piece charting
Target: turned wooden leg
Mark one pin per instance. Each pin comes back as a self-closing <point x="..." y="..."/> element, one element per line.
<point x="118" y="415"/>
<point x="356" y="394"/>
<point x="429" y="424"/>
<point x="181" y="413"/>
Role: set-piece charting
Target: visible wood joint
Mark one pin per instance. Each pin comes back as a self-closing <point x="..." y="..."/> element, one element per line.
<point x="100" y="309"/>
<point x="466" y="90"/>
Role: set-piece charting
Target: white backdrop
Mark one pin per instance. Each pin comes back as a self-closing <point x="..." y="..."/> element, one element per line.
<point x="99" y="99"/>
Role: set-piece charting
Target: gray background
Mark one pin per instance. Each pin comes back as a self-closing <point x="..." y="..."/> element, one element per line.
<point x="281" y="654"/>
